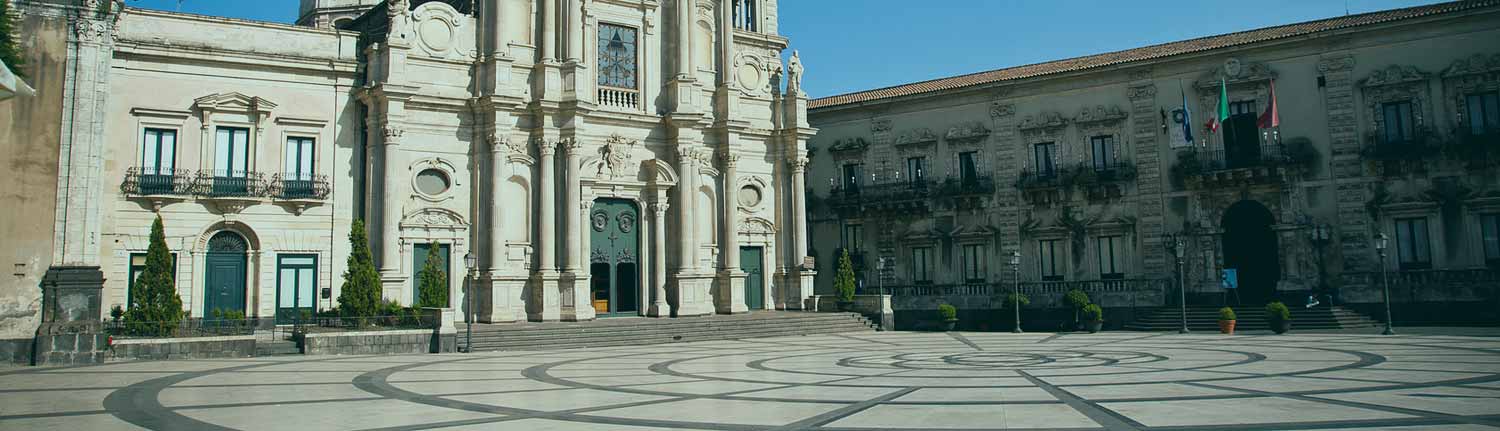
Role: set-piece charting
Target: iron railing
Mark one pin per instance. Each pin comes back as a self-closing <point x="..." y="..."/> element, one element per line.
<point x="224" y="184"/>
<point x="888" y="192"/>
<point x="154" y="182"/>
<point x="299" y="187"/>
<point x="970" y="185"/>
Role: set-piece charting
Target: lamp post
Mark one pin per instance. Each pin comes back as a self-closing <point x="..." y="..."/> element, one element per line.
<point x="1385" y="281"/>
<point x="472" y="263"/>
<point x="1015" y="267"/>
<point x="1174" y="244"/>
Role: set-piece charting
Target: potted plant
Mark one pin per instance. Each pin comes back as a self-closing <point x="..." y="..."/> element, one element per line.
<point x="1226" y="320"/>
<point x="1076" y="299"/>
<point x="949" y="316"/>
<point x="1093" y="317"/>
<point x="1279" y="317"/>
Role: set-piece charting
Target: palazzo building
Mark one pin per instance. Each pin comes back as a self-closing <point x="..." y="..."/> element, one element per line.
<point x="598" y="157"/>
<point x="1082" y="169"/>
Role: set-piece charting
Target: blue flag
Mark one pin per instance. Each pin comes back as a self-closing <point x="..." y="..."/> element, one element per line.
<point x="1187" y="117"/>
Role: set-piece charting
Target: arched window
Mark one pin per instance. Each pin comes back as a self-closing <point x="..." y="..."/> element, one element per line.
<point x="227" y="242"/>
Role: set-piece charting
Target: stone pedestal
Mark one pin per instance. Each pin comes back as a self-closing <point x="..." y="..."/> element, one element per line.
<point x="445" y="329"/>
<point x="543" y="304"/>
<point x="71" y="331"/>
<point x="577" y="305"/>
<point x="502" y="301"/>
<point x="730" y="295"/>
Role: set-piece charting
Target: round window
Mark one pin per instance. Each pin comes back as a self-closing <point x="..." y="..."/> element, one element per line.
<point x="749" y="196"/>
<point x="432" y="182"/>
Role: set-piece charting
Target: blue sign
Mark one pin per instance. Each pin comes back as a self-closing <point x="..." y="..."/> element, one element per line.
<point x="1229" y="278"/>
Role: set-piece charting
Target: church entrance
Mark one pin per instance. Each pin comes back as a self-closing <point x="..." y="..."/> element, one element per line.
<point x="225" y="270"/>
<point x="755" y="278"/>
<point x="614" y="257"/>
<point x="1250" y="248"/>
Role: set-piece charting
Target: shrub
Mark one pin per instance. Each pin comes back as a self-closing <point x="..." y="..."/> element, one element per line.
<point x="10" y="51"/>
<point x="1076" y="298"/>
<point x="155" y="307"/>
<point x="1277" y="312"/>
<point x="1093" y="313"/>
<point x="843" y="283"/>
<point x="432" y="289"/>
<point x="116" y="313"/>
<point x="1226" y="313"/>
<point x="1011" y="299"/>
<point x="947" y="312"/>
<point x="360" y="294"/>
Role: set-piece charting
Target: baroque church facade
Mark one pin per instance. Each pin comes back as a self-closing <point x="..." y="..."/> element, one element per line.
<point x="595" y="157"/>
<point x="1079" y="173"/>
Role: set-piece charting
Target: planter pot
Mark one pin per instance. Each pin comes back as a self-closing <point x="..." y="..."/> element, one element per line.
<point x="947" y="325"/>
<point x="1226" y="327"/>
<point x="1281" y="327"/>
<point x="1093" y="326"/>
<point x="846" y="305"/>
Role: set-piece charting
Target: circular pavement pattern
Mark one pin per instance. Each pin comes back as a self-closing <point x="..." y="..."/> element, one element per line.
<point x="901" y="381"/>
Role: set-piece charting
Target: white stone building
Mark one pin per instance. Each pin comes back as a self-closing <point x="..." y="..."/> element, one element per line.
<point x="597" y="157"/>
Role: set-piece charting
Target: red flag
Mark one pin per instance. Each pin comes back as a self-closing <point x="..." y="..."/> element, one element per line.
<point x="1272" y="116"/>
<point x="1213" y="125"/>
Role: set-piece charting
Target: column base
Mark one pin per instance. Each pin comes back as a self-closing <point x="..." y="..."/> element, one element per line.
<point x="799" y="288"/>
<point x="502" y="299"/>
<point x="392" y="285"/>
<point x="543" y="303"/>
<point x="729" y="297"/>
<point x="577" y="305"/>
<point x="692" y="294"/>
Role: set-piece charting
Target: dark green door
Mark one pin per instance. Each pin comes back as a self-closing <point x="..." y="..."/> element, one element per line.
<point x="614" y="251"/>
<point x="755" y="279"/>
<point x="419" y="261"/>
<point x="224" y="285"/>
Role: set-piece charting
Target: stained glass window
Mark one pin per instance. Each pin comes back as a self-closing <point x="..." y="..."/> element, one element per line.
<point x="617" y="67"/>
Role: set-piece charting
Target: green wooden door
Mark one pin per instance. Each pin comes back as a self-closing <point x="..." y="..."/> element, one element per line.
<point x="419" y="261"/>
<point x="755" y="279"/>
<point x="614" y="257"/>
<point x="296" y="285"/>
<point x="224" y="283"/>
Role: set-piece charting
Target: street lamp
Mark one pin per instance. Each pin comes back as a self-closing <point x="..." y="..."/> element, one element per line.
<point x="1174" y="244"/>
<point x="1385" y="280"/>
<point x="1320" y="236"/>
<point x="1015" y="267"/>
<point x="472" y="263"/>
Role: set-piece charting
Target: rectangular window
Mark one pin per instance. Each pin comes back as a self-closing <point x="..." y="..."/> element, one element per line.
<point x="1489" y="227"/>
<point x="1483" y="111"/>
<point x="968" y="172"/>
<point x="1047" y="252"/>
<point x="296" y="286"/>
<point x="921" y="264"/>
<point x="1412" y="245"/>
<point x="232" y="152"/>
<point x="852" y="234"/>
<point x="1111" y="257"/>
<point x="1243" y="107"/>
<point x="617" y="54"/>
<point x="916" y="169"/>
<point x="1046" y="157"/>
<point x="745" y="15"/>
<point x="159" y="152"/>
<point x="973" y="263"/>
<point x="852" y="173"/>
<point x="298" y="157"/>
<point x="1104" y="156"/>
<point x="138" y="266"/>
<point x="1398" y="122"/>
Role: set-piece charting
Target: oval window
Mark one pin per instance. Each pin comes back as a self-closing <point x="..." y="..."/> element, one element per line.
<point x="432" y="182"/>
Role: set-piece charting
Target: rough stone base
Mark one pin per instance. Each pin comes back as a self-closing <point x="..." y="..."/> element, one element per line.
<point x="376" y="342"/>
<point x="16" y="351"/>
<point x="71" y="349"/>
<point x="184" y="348"/>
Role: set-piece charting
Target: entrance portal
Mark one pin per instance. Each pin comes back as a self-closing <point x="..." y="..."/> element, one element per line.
<point x="224" y="285"/>
<point x="1250" y="247"/>
<point x="614" y="263"/>
<point x="755" y="278"/>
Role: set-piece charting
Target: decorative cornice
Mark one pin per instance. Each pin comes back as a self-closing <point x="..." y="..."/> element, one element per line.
<point x="1392" y="75"/>
<point x="1099" y="114"/>
<point x="1046" y="120"/>
<point x="1476" y="64"/>
<point x="971" y="131"/>
<point x="849" y="145"/>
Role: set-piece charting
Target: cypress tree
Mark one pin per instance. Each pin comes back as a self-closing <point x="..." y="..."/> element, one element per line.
<point x="432" y="288"/>
<point x="10" y="53"/>
<point x="360" y="295"/>
<point x="155" y="307"/>
<point x="843" y="283"/>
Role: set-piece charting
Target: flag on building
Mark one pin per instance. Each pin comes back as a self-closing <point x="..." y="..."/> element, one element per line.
<point x="1214" y="124"/>
<point x="1187" y="117"/>
<point x="1272" y="116"/>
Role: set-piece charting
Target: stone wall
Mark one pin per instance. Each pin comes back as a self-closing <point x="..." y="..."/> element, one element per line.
<point x="377" y="342"/>
<point x="242" y="346"/>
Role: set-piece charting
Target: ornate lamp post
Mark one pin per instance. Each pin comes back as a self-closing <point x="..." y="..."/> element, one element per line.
<point x="472" y="263"/>
<point x="1320" y="237"/>
<point x="1015" y="267"/>
<point x="1385" y="280"/>
<point x="1175" y="246"/>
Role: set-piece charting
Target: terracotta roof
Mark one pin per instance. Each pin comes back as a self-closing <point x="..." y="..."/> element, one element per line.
<point x="1150" y="52"/>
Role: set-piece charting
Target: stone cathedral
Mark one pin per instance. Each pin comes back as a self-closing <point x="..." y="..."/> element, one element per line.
<point x="595" y="157"/>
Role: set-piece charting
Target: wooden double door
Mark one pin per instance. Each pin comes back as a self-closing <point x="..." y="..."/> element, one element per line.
<point x="614" y="257"/>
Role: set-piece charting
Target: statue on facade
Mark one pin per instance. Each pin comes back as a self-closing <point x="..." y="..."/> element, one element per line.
<point x="794" y="74"/>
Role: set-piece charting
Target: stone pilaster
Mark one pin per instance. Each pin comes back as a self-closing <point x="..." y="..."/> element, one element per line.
<point x="1145" y="127"/>
<point x="544" y="299"/>
<point x="1352" y="191"/>
<point x="576" y="302"/>
<point x="731" y="295"/>
<point x="80" y="165"/>
<point x="658" y="214"/>
<point x="390" y="203"/>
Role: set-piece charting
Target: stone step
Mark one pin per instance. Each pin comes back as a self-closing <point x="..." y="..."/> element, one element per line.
<point x="647" y="331"/>
<point x="1250" y="318"/>
<point x="616" y="342"/>
<point x="276" y="348"/>
<point x="668" y="336"/>
<point x="634" y="323"/>
<point x="639" y="329"/>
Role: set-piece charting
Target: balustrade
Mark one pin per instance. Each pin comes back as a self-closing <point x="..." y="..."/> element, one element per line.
<point x="620" y="98"/>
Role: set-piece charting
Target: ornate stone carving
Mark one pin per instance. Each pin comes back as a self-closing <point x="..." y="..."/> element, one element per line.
<point x="570" y="146"/>
<point x="1142" y="92"/>
<point x="1002" y="110"/>
<point x="916" y="137"/>
<point x="94" y="31"/>
<point x="971" y="131"/>
<point x="659" y="209"/>
<point x="794" y="74"/>
<point x="433" y="217"/>
<point x="1393" y="74"/>
<point x="544" y="147"/>
<point x="1241" y="72"/>
<point x="1046" y="120"/>
<point x="849" y="145"/>
<point x="1336" y="63"/>
<point x="599" y="220"/>
<point x="1476" y="64"/>
<point x="626" y="220"/>
<point x="502" y="143"/>
<point x="880" y="126"/>
<point x="798" y="164"/>
<point x="392" y="133"/>
<point x="757" y="225"/>
<point x="1100" y="114"/>
<point x="618" y="157"/>
<point x="729" y="158"/>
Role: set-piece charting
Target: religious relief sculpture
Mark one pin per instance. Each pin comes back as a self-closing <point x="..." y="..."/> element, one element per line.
<point x="617" y="157"/>
<point x="600" y="220"/>
<point x="794" y="75"/>
<point x="626" y="220"/>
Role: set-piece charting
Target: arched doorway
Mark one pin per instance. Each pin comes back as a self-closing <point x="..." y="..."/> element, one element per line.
<point x="1250" y="247"/>
<point x="224" y="283"/>
<point x="614" y="257"/>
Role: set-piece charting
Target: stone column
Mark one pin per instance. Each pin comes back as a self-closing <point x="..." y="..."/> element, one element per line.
<point x="390" y="202"/>
<point x="575" y="30"/>
<point x="726" y="38"/>
<point x="799" y="210"/>
<point x="548" y="45"/>
<point x="571" y="207"/>
<point x="82" y="147"/>
<point x="685" y="25"/>
<point x="498" y="152"/>
<point x="547" y="211"/>
<point x="686" y="245"/>
<point x="658" y="260"/>
<point x="730" y="231"/>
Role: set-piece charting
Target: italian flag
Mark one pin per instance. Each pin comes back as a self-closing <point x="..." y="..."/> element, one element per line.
<point x="1217" y="122"/>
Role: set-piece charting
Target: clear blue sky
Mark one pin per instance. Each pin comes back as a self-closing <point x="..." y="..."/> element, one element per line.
<point x="853" y="45"/>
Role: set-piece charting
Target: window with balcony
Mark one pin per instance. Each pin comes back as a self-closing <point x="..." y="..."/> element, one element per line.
<point x="852" y="173"/>
<point x="138" y="266"/>
<point x="746" y="15"/>
<point x="852" y="233"/>
<point x="921" y="265"/>
<point x="973" y="263"/>
<point x="1242" y="135"/>
<point x="1111" y="257"/>
<point x="158" y="161"/>
<point x="1047" y="252"/>
<point x="1046" y="158"/>
<point x="618" y="69"/>
<point x="1412" y="248"/>
<point x="231" y="162"/>
<point x="297" y="170"/>
<point x="1398" y="125"/>
<point x="1483" y="112"/>
<point x="1489" y="227"/>
<point x="1103" y="152"/>
<point x="968" y="171"/>
<point x="916" y="170"/>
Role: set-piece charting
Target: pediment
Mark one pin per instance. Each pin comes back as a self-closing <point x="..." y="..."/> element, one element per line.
<point x="233" y="102"/>
<point x="1392" y="75"/>
<point x="1476" y="64"/>
<point x="433" y="218"/>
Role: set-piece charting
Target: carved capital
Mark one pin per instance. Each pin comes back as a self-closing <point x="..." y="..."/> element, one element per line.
<point x="686" y="153"/>
<point x="798" y="165"/>
<point x="570" y="146"/>
<point x="729" y="158"/>
<point x="544" y="148"/>
<point x="659" y="209"/>
<point x="392" y="135"/>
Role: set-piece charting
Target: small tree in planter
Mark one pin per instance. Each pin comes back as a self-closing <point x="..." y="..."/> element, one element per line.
<point x="360" y="295"/>
<point x="1226" y="320"/>
<point x="843" y="283"/>
<point x="1093" y="317"/>
<point x="1076" y="299"/>
<point x="1279" y="317"/>
<point x="432" y="291"/>
<point x="155" y="307"/>
<point x="948" y="315"/>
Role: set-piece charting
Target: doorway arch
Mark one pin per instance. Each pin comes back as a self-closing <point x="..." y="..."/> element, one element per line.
<point x="226" y="272"/>
<point x="1250" y="247"/>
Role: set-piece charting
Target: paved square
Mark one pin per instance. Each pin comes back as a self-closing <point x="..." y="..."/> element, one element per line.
<point x="891" y="381"/>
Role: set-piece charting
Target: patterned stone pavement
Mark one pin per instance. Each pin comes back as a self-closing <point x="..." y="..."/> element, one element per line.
<point x="905" y="381"/>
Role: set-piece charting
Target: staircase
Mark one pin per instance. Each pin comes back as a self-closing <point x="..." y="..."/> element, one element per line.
<point x="276" y="348"/>
<point x="636" y="331"/>
<point x="1250" y="319"/>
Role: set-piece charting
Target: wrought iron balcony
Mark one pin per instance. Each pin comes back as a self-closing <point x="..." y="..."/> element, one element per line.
<point x="967" y="186"/>
<point x="154" y="182"/>
<point x="299" y="187"/>
<point x="230" y="184"/>
<point x="1423" y="144"/>
<point x="1033" y="179"/>
<point x="1118" y="171"/>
